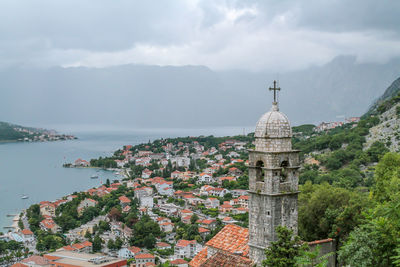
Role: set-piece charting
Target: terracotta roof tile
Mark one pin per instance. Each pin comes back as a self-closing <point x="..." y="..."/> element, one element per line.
<point x="27" y="232"/>
<point x="144" y="256"/>
<point x="231" y="238"/>
<point x="18" y="264"/>
<point x="184" y="243"/>
<point x="320" y="241"/>
<point x="124" y="199"/>
<point x="134" y="249"/>
<point x="199" y="258"/>
<point x="38" y="260"/>
<point x="178" y="261"/>
<point x="223" y="259"/>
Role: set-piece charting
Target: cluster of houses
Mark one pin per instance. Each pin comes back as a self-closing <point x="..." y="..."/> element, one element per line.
<point x="40" y="135"/>
<point x="324" y="126"/>
<point x="157" y="195"/>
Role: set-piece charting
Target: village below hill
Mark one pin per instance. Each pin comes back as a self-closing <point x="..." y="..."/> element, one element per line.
<point x="16" y="133"/>
<point x="176" y="195"/>
<point x="183" y="200"/>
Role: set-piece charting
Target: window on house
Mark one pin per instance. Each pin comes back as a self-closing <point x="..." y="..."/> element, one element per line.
<point x="260" y="171"/>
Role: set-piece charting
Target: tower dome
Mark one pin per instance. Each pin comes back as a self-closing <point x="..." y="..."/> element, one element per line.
<point x="273" y="124"/>
<point x="273" y="132"/>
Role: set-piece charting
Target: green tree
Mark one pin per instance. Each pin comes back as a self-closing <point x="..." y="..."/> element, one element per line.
<point x="111" y="244"/>
<point x="118" y="243"/>
<point x="88" y="235"/>
<point x="97" y="243"/>
<point x="376" y="151"/>
<point x="282" y="253"/>
<point x="360" y="249"/>
<point x="387" y="180"/>
<point x="194" y="219"/>
<point x="144" y="232"/>
<point x="312" y="258"/>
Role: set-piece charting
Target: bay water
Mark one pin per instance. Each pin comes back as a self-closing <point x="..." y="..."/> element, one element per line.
<point x="35" y="169"/>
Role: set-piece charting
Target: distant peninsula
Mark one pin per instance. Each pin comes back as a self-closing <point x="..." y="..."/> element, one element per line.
<point x="16" y="133"/>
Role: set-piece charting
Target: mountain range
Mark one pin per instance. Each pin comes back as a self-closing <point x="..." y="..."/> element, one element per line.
<point x="142" y="96"/>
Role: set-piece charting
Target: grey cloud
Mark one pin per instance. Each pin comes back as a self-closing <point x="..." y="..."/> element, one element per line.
<point x="54" y="33"/>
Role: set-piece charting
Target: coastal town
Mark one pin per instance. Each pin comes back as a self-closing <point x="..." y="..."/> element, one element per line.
<point x="176" y="195"/>
<point x="174" y="198"/>
<point x="17" y="133"/>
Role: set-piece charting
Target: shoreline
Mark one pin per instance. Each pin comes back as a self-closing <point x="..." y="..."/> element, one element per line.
<point x="15" y="222"/>
<point x="14" y="226"/>
<point x="38" y="141"/>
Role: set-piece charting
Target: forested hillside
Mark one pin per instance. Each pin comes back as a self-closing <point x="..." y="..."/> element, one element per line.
<point x="350" y="185"/>
<point x="16" y="133"/>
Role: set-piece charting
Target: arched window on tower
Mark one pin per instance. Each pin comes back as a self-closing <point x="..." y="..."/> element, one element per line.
<point x="284" y="172"/>
<point x="260" y="171"/>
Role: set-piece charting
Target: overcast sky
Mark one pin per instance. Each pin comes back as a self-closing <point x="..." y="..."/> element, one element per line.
<point x="254" y="35"/>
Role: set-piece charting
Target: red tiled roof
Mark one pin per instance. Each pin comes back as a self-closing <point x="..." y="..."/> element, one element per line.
<point x="320" y="241"/>
<point x="178" y="261"/>
<point x="124" y="199"/>
<point x="18" y="264"/>
<point x="185" y="243"/>
<point x="186" y="211"/>
<point x="77" y="246"/>
<point x="162" y="244"/>
<point x="68" y="248"/>
<point x="50" y="257"/>
<point x="208" y="221"/>
<point x="38" y="260"/>
<point x="203" y="230"/>
<point x="27" y="232"/>
<point x="48" y="223"/>
<point x="144" y="256"/>
<point x="231" y="238"/>
<point x="87" y="244"/>
<point x="224" y="259"/>
<point x="134" y="249"/>
<point x="199" y="258"/>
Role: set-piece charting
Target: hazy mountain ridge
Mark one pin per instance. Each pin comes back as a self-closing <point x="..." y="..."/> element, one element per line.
<point x="387" y="109"/>
<point x="188" y="96"/>
<point x="390" y="92"/>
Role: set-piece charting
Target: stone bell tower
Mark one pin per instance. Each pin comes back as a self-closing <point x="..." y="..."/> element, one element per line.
<point x="273" y="181"/>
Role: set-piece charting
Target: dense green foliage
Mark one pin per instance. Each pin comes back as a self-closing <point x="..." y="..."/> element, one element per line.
<point x="311" y="258"/>
<point x="386" y="104"/>
<point x="10" y="250"/>
<point x="34" y="217"/>
<point x="282" y="253"/>
<point x="375" y="242"/>
<point x="329" y="211"/>
<point x="305" y="129"/>
<point x="47" y="241"/>
<point x="7" y="132"/>
<point x="104" y="162"/>
<point x="145" y="232"/>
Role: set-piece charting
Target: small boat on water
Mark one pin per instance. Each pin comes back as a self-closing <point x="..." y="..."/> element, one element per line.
<point x="94" y="176"/>
<point x="24" y="197"/>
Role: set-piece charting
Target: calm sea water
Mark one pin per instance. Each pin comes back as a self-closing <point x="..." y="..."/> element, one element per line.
<point x="35" y="169"/>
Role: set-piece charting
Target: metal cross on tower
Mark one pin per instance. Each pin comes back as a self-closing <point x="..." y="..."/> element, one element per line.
<point x="274" y="89"/>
